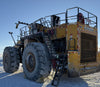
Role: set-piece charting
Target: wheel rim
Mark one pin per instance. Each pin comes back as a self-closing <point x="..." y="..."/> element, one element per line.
<point x="30" y="62"/>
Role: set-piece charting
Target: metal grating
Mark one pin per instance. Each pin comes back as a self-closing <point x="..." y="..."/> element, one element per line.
<point x="88" y="48"/>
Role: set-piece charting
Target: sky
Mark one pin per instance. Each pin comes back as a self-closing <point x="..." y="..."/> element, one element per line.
<point x="28" y="11"/>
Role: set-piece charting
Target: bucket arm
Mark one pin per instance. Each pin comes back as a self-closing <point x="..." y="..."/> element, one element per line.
<point x="17" y="24"/>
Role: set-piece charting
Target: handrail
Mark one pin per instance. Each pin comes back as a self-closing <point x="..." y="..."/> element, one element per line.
<point x="66" y="18"/>
<point x="81" y="9"/>
<point x="46" y="21"/>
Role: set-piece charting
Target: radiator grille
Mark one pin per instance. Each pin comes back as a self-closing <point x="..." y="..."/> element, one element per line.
<point x="88" y="48"/>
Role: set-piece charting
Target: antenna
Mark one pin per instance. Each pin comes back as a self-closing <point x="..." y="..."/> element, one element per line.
<point x="12" y="37"/>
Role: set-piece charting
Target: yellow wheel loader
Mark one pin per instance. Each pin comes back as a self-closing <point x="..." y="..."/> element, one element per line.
<point x="66" y="42"/>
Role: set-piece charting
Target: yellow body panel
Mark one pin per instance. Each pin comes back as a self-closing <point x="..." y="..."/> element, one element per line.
<point x="87" y="29"/>
<point x="73" y="63"/>
<point x="98" y="58"/>
<point x="60" y="32"/>
<point x="75" y="67"/>
<point x="72" y="32"/>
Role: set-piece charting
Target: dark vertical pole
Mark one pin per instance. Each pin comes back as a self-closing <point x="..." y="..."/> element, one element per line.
<point x="66" y="20"/>
<point x="77" y="14"/>
<point x="78" y="11"/>
<point x="66" y="16"/>
<point x="88" y="18"/>
<point x="96" y="22"/>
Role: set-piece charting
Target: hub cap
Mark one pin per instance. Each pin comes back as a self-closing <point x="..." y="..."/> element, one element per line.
<point x="30" y="62"/>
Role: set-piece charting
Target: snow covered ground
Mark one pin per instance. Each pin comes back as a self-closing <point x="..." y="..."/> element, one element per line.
<point x="17" y="80"/>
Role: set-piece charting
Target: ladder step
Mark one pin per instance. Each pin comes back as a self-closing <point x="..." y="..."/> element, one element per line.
<point x="59" y="72"/>
<point x="49" y="45"/>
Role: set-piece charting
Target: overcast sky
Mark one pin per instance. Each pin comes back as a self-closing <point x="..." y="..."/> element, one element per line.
<point x="28" y="11"/>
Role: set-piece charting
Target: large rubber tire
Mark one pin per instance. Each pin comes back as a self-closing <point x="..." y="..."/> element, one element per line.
<point x="39" y="66"/>
<point x="11" y="59"/>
